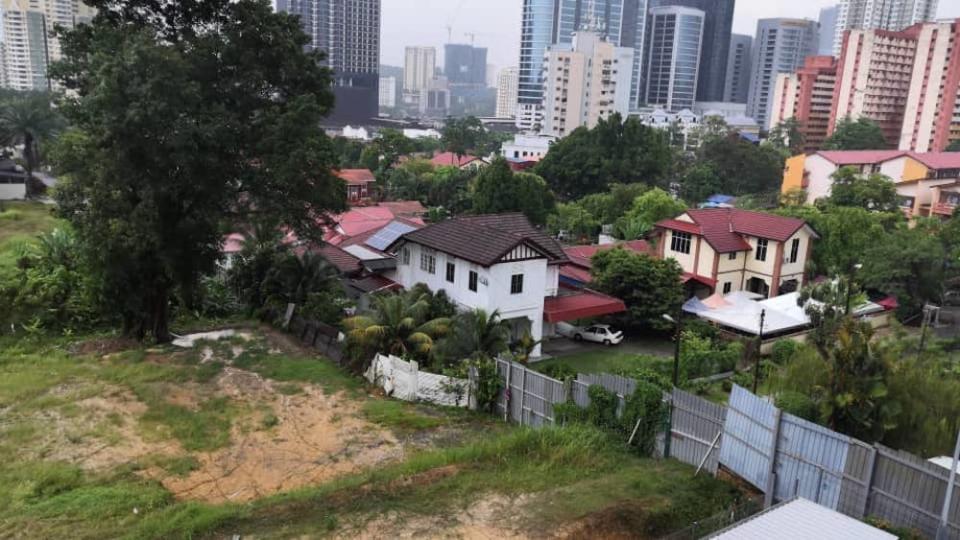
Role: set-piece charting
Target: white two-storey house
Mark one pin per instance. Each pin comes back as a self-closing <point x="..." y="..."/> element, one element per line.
<point x="497" y="263"/>
<point x="727" y="249"/>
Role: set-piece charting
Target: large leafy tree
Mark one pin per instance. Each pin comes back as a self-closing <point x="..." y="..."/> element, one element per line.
<point x="497" y="189"/>
<point x="859" y="134"/>
<point x="185" y="115"/>
<point x="873" y="192"/>
<point x="28" y="119"/>
<point x="910" y="264"/>
<point x="589" y="160"/>
<point x="742" y="167"/>
<point x="648" y="286"/>
<point x="652" y="207"/>
<point x="462" y="135"/>
<point x="787" y="137"/>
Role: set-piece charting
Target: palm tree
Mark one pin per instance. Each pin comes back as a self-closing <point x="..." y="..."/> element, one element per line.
<point x="523" y="347"/>
<point x="27" y="118"/>
<point x="293" y="278"/>
<point x="476" y="334"/>
<point x="396" y="326"/>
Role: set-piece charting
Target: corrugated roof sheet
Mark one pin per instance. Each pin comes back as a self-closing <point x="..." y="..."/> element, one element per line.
<point x="356" y="176"/>
<point x="800" y="519"/>
<point x="582" y="304"/>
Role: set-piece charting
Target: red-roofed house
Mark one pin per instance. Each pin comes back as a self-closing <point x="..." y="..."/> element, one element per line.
<point x="928" y="183"/>
<point x="360" y="184"/>
<point x="450" y="159"/>
<point x="576" y="272"/>
<point x="728" y="249"/>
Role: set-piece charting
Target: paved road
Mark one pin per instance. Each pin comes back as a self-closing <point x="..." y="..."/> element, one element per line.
<point x="558" y="347"/>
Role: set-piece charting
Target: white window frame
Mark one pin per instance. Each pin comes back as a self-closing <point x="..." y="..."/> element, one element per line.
<point x="679" y="240"/>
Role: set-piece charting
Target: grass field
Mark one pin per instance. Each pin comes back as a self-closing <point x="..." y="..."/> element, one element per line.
<point x="101" y="438"/>
<point x="21" y="222"/>
<point x="608" y="360"/>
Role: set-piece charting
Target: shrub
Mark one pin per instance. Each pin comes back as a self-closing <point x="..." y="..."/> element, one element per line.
<point x="797" y="404"/>
<point x="784" y="350"/>
<point x="561" y="372"/>
<point x="602" y="410"/>
<point x="700" y="357"/>
<point x="645" y="406"/>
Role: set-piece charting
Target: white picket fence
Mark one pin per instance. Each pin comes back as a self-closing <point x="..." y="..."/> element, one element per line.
<point x="404" y="380"/>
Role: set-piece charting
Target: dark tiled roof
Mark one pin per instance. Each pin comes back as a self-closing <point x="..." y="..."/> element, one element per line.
<point x="340" y="259"/>
<point x="486" y="239"/>
<point x="723" y="228"/>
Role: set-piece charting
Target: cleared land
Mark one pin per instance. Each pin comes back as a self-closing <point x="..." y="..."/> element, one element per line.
<point x="100" y="438"/>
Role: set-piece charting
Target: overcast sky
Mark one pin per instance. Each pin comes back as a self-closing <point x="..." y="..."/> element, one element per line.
<point x="496" y="23"/>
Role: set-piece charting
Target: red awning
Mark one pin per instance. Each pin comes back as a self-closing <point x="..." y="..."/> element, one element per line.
<point x="687" y="276"/>
<point x="579" y="305"/>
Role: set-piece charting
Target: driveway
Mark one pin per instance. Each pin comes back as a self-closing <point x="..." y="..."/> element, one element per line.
<point x="559" y="346"/>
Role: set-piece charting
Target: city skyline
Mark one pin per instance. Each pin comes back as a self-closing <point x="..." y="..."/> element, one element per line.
<point x="495" y="24"/>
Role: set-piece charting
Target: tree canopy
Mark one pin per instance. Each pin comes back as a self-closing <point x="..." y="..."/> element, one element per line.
<point x="186" y="116"/>
<point x="649" y="286"/>
<point x="497" y="189"/>
<point x="589" y="160"/>
<point x="872" y="192"/>
<point x="859" y="134"/>
<point x="737" y="166"/>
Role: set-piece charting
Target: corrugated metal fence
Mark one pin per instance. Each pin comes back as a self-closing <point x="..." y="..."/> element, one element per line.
<point x="781" y="455"/>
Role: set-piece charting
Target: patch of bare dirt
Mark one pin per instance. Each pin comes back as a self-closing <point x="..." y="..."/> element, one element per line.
<point x="490" y="518"/>
<point x="316" y="437"/>
<point x="101" y="434"/>
<point x="622" y="521"/>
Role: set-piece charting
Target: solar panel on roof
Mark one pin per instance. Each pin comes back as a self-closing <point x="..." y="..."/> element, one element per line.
<point x="388" y="235"/>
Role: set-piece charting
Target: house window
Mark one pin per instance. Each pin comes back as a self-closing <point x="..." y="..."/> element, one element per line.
<point x="516" y="284"/>
<point x="794" y="250"/>
<point x="428" y="262"/>
<point x="726" y="287"/>
<point x="680" y="242"/>
<point x="405" y="256"/>
<point x="761" y="253"/>
<point x="472" y="281"/>
<point x="451" y="271"/>
<point x="732" y="256"/>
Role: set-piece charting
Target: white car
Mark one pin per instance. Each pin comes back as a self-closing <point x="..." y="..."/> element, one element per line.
<point x="597" y="333"/>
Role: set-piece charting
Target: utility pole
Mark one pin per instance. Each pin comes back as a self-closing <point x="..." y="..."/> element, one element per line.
<point x="756" y="370"/>
<point x="943" y="527"/>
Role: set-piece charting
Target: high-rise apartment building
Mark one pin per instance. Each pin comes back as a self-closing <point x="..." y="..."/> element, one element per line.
<point x="892" y="15"/>
<point x="584" y="82"/>
<point x="507" y="92"/>
<point x="388" y="92"/>
<point x="807" y="97"/>
<point x="673" y="56"/>
<point x="738" y="69"/>
<point x="28" y="45"/>
<point x="465" y="64"/>
<point x="781" y="45"/>
<point x="828" y="30"/>
<point x="718" y="23"/>
<point x="348" y="31"/>
<point x="419" y="66"/>
<point x="553" y="22"/>
<point x="906" y="81"/>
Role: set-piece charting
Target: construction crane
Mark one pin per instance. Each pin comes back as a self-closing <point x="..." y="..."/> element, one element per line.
<point x="472" y="36"/>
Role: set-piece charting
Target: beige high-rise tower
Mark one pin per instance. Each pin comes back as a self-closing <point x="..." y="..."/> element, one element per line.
<point x="29" y="45"/>
<point x="507" y="84"/>
<point x="585" y="82"/>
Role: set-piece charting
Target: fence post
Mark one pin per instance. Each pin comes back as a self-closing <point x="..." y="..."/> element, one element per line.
<point x="771" y="472"/>
<point x="871" y="469"/>
<point x="415" y="376"/>
<point x="523" y="391"/>
<point x="948" y="497"/>
<point x="474" y="377"/>
<point x="507" y="391"/>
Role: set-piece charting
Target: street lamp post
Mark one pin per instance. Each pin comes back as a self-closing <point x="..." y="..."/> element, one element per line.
<point x="678" y="326"/>
<point x="756" y="369"/>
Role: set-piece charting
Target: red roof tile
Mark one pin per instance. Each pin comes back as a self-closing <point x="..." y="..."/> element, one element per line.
<point x="578" y="269"/>
<point x="687" y="276"/>
<point x="404" y="208"/>
<point x="938" y="160"/>
<point x="449" y="159"/>
<point x="356" y="176"/>
<point x="580" y="305"/>
<point x="723" y="228"/>
<point x="576" y="273"/>
<point x="859" y="157"/>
